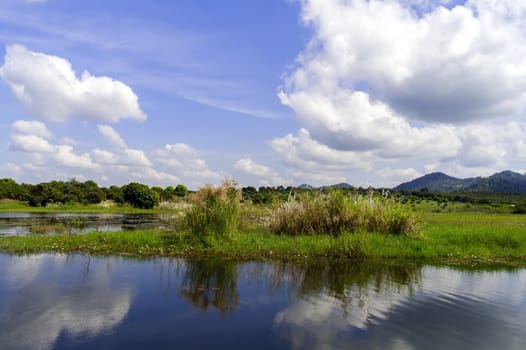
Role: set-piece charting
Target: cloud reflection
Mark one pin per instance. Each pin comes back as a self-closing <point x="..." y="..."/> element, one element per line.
<point x="80" y="301"/>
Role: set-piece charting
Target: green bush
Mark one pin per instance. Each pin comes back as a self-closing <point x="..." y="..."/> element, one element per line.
<point x="139" y="196"/>
<point x="337" y="212"/>
<point x="214" y="213"/>
<point x="519" y="209"/>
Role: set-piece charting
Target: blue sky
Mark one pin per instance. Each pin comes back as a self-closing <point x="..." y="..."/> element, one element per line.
<point x="267" y="92"/>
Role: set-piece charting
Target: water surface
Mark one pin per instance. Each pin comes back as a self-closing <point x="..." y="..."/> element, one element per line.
<point x="21" y="224"/>
<point x="82" y="302"/>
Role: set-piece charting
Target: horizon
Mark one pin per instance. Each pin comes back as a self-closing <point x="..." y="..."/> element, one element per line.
<point x="319" y="92"/>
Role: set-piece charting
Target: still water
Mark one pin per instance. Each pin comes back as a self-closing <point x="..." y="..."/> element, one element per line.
<point x="82" y="302"/>
<point x="20" y="224"/>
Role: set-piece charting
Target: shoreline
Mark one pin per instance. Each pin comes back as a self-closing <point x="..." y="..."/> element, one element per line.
<point x="431" y="248"/>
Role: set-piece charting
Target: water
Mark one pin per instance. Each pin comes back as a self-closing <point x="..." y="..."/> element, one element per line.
<point x="20" y="224"/>
<point x="64" y="302"/>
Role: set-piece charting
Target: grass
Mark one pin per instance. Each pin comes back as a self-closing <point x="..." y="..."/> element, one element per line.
<point x="447" y="242"/>
<point x="336" y="212"/>
<point x="331" y="227"/>
<point x="213" y="214"/>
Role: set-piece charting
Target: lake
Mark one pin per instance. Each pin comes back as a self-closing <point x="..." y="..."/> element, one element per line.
<point x="20" y="224"/>
<point x="75" y="301"/>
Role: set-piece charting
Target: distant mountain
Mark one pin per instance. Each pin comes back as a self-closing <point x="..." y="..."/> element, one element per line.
<point x="305" y="187"/>
<point x="341" y="185"/>
<point x="503" y="182"/>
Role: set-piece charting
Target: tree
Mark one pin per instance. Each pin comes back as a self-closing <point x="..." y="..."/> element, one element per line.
<point x="115" y="194"/>
<point x="180" y="190"/>
<point x="139" y="196"/>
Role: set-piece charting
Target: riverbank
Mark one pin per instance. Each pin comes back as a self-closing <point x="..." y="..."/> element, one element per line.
<point x="454" y="239"/>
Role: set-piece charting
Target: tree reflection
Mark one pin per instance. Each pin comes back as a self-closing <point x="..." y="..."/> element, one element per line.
<point x="211" y="284"/>
<point x="335" y="278"/>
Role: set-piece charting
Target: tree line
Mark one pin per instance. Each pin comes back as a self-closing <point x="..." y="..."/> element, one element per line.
<point x="142" y="196"/>
<point x="88" y="192"/>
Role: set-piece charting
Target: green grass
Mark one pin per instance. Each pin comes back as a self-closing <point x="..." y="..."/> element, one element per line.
<point x="336" y="212"/>
<point x="446" y="237"/>
<point x="446" y="242"/>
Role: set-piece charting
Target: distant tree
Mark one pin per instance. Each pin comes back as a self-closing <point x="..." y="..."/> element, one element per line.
<point x="43" y="194"/>
<point x="9" y="189"/>
<point x="168" y="193"/>
<point x="180" y="190"/>
<point x="115" y="193"/>
<point x="139" y="195"/>
<point x="91" y="193"/>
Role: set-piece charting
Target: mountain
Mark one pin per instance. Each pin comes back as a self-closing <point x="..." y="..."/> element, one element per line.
<point x="341" y="185"/>
<point x="503" y="182"/>
<point x="435" y="182"/>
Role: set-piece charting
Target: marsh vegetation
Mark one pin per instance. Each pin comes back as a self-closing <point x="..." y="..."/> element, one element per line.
<point x="304" y="223"/>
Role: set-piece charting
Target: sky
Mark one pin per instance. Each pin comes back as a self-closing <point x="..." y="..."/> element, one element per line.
<point x="268" y="92"/>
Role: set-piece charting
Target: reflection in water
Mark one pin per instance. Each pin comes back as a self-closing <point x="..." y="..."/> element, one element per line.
<point x="16" y="224"/>
<point x="430" y="308"/>
<point x="211" y="283"/>
<point x="60" y="302"/>
<point x="35" y="312"/>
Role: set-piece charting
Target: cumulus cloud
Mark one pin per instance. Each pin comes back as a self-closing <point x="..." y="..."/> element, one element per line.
<point x="434" y="82"/>
<point x="445" y="65"/>
<point x="349" y="120"/>
<point x="397" y="176"/>
<point x="301" y="151"/>
<point x="50" y="89"/>
<point x="92" y="307"/>
<point x="264" y="173"/>
<point x="113" y="137"/>
<point x="33" y="137"/>
<point x="185" y="160"/>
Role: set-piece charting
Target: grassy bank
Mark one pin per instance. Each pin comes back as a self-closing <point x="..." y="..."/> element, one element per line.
<point x="438" y="243"/>
<point x="333" y="225"/>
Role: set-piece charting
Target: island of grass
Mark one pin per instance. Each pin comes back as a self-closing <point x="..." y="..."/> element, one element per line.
<point x="322" y="225"/>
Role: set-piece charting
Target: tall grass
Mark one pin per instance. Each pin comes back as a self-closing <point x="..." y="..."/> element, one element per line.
<point x="337" y="212"/>
<point x="214" y="213"/>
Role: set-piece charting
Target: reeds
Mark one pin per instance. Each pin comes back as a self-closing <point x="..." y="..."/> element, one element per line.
<point x="214" y="213"/>
<point x="336" y="212"/>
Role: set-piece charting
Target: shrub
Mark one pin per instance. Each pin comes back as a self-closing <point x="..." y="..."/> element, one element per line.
<point x="214" y="213"/>
<point x="139" y="196"/>
<point x="519" y="209"/>
<point x="337" y="212"/>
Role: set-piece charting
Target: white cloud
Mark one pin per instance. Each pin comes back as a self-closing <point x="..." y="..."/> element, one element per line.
<point x="303" y="152"/>
<point x="30" y="143"/>
<point x="50" y="89"/>
<point x="348" y="120"/>
<point x="104" y="157"/>
<point x="397" y="176"/>
<point x="65" y="155"/>
<point x="433" y="82"/>
<point x="31" y="137"/>
<point x="185" y="160"/>
<point x="443" y="66"/>
<point x="113" y="136"/>
<point x="31" y="127"/>
<point x="266" y="175"/>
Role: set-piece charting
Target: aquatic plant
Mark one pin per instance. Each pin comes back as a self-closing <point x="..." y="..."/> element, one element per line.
<point x="337" y="211"/>
<point x="214" y="213"/>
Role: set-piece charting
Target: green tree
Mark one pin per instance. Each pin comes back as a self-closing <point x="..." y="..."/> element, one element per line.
<point x="139" y="196"/>
<point x="180" y="190"/>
